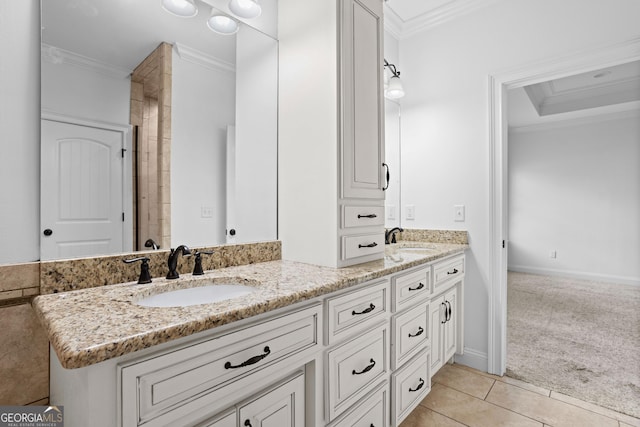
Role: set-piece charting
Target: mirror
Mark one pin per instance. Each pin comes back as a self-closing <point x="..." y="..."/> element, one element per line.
<point x="154" y="127"/>
<point x="392" y="158"/>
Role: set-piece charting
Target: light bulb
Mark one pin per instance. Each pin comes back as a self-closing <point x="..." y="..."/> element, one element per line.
<point x="182" y="8"/>
<point x="222" y="24"/>
<point x="247" y="9"/>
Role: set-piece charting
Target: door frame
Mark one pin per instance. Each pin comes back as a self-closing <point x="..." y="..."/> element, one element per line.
<point x="127" y="171"/>
<point x="499" y="84"/>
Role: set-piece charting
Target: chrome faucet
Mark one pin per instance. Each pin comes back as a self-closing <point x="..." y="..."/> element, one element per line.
<point x="390" y="235"/>
<point x="173" y="260"/>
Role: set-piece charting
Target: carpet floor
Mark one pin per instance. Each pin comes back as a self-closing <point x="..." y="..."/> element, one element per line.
<point x="577" y="337"/>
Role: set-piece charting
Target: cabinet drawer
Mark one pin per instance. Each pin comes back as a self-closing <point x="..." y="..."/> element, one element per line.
<point x="226" y="419"/>
<point x="362" y="216"/>
<point x="354" y="369"/>
<point x="372" y="411"/>
<point x="409" y="386"/>
<point x="410" y="333"/>
<point x="362" y="245"/>
<point x="410" y="288"/>
<point x="447" y="270"/>
<point x="154" y="387"/>
<point x="354" y="312"/>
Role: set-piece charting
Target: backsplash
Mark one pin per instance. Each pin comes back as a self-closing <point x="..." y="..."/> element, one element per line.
<point x="82" y="273"/>
<point x="436" y="236"/>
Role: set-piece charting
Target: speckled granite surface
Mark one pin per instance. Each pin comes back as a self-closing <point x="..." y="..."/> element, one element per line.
<point x="83" y="273"/>
<point x="92" y="325"/>
<point x="436" y="236"/>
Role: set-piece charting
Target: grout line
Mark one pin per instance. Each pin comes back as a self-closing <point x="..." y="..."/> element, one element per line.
<point x="490" y="388"/>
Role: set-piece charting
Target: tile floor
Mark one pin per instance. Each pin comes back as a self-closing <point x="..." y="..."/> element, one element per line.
<point x="461" y="396"/>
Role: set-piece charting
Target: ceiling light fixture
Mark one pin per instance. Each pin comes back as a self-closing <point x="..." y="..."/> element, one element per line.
<point x="181" y="8"/>
<point x="222" y="24"/>
<point x="247" y="9"/>
<point x="394" y="89"/>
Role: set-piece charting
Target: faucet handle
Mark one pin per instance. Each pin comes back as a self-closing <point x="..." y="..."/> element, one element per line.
<point x="145" y="276"/>
<point x="197" y="268"/>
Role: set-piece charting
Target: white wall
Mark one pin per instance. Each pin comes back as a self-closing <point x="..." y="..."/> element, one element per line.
<point x="203" y="104"/>
<point x="19" y="131"/>
<point x="445" y="136"/>
<point x="85" y="93"/>
<point x="576" y="190"/>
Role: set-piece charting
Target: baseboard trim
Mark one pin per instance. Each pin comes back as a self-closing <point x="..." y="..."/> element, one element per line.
<point x="624" y="280"/>
<point x="473" y="358"/>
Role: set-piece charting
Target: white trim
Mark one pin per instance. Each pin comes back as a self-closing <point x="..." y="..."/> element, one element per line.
<point x="203" y="59"/>
<point x="578" y="121"/>
<point x="392" y="22"/>
<point x="437" y="16"/>
<point x="57" y="55"/>
<point x="472" y="358"/>
<point x="624" y="280"/>
<point x="499" y="82"/>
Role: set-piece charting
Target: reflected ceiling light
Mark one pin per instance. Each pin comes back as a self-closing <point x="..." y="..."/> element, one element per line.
<point x="394" y="89"/>
<point x="182" y="8"/>
<point x="247" y="9"/>
<point x="222" y="24"/>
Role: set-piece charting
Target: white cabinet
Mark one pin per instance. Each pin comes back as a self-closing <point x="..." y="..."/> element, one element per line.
<point x="282" y="406"/>
<point x="410" y="385"/>
<point x="331" y="131"/>
<point x="362" y="101"/>
<point x="447" y="336"/>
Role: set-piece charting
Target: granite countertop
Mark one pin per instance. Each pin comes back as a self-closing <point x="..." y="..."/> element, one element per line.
<point x="89" y="326"/>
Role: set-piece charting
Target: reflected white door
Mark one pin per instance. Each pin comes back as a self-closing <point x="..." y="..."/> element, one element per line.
<point x="81" y="191"/>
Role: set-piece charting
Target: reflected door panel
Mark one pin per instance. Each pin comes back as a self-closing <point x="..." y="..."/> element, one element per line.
<point x="81" y="191"/>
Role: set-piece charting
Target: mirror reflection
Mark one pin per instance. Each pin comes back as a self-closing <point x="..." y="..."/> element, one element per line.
<point x="155" y="130"/>
<point x="392" y="158"/>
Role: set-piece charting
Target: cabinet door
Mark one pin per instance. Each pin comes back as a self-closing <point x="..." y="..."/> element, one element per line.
<point x="362" y="100"/>
<point x="282" y="406"/>
<point x="450" y="330"/>
<point x="436" y="308"/>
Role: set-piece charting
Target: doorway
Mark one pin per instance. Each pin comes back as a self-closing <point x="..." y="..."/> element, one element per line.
<point x="499" y="84"/>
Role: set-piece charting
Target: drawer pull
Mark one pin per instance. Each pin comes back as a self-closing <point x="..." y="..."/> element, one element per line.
<point x="448" y="310"/>
<point x="365" y="370"/>
<point x="420" y="332"/>
<point x="247" y="423"/>
<point x="445" y="313"/>
<point x="365" y="311"/>
<point x="417" y="288"/>
<point x="419" y="386"/>
<point x="370" y="245"/>
<point x="251" y="361"/>
<point x="454" y="271"/>
<point x="368" y="216"/>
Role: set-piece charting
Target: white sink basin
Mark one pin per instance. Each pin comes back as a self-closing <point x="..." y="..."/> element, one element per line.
<point x="196" y="295"/>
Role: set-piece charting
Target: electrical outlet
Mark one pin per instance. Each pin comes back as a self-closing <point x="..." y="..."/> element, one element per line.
<point x="553" y="254"/>
<point x="391" y="212"/>
<point x="458" y="213"/>
<point x="206" y="212"/>
<point x="411" y="211"/>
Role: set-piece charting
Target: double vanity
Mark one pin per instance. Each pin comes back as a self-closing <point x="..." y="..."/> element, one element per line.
<point x="272" y="343"/>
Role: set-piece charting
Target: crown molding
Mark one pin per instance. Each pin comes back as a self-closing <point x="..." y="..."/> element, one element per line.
<point x="56" y="55"/>
<point x="440" y="15"/>
<point x="205" y="60"/>
<point x="578" y="121"/>
<point x="392" y="22"/>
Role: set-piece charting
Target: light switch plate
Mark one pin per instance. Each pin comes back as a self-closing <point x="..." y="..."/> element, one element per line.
<point x="411" y="211"/>
<point x="391" y="212"/>
<point x="206" y="212"/>
<point x="458" y="213"/>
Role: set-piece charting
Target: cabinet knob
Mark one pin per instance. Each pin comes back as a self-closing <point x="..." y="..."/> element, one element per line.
<point x="48" y="232"/>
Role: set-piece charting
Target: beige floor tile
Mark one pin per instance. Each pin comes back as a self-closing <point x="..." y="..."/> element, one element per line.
<point x="475" y="371"/>
<point x="635" y="422"/>
<point x="472" y="411"/>
<point x="526" y="386"/>
<point x="464" y="380"/>
<point x="543" y="409"/>
<point x="423" y="417"/>
<point x="623" y="424"/>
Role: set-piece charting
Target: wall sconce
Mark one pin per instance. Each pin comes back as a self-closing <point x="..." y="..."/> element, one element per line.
<point x="393" y="88"/>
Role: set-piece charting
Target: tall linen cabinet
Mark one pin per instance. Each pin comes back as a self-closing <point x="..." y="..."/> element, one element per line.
<point x="331" y="172"/>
